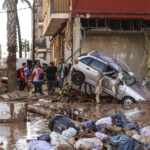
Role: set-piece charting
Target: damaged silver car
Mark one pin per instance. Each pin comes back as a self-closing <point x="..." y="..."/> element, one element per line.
<point x="118" y="81"/>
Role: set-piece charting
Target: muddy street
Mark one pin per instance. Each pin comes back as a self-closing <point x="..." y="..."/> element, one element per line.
<point x="15" y="135"/>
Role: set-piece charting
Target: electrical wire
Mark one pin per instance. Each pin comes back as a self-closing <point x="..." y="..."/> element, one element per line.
<point x="19" y="9"/>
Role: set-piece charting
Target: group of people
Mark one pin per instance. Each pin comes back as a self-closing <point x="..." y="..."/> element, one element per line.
<point x="26" y="76"/>
<point x="54" y="75"/>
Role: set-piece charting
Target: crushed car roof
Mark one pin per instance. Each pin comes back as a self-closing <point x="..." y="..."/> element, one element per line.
<point x="117" y="64"/>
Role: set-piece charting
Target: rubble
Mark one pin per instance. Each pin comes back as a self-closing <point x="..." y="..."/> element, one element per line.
<point x="79" y="128"/>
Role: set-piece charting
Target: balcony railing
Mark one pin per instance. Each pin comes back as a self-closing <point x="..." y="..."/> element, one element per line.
<point x="54" y="13"/>
<point x="59" y="6"/>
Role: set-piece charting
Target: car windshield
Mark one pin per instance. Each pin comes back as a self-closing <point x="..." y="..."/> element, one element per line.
<point x="128" y="79"/>
<point x="122" y="65"/>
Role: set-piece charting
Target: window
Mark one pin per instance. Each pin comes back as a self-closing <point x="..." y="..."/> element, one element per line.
<point x="86" y="60"/>
<point x="99" y="66"/>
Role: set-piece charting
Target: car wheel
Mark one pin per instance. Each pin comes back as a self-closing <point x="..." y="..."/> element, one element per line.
<point x="77" y="78"/>
<point x="128" y="101"/>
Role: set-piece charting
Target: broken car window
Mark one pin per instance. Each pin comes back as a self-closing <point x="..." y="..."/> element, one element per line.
<point x="86" y="60"/>
<point x="99" y="66"/>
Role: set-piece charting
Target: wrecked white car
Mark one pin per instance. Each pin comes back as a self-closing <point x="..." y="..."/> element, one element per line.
<point x="128" y="89"/>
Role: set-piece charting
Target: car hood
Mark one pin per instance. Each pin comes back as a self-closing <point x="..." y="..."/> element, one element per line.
<point x="142" y="90"/>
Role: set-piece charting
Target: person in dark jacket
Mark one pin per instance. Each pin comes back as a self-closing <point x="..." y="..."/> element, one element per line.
<point x="51" y="77"/>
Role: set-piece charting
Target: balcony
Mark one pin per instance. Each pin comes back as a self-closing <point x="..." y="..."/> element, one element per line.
<point x="57" y="12"/>
<point x="41" y="43"/>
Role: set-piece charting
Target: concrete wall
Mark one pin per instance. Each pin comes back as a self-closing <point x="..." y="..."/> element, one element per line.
<point x="127" y="47"/>
<point x="147" y="46"/>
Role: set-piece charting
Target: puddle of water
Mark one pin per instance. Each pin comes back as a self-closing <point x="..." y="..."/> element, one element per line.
<point x="14" y="136"/>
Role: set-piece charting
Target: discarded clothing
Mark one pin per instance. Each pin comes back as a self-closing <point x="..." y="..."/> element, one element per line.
<point x="89" y="143"/>
<point x="124" y="142"/>
<point x="57" y="139"/>
<point x="89" y="125"/>
<point x="145" y="131"/>
<point x="59" y="142"/>
<point x="121" y="121"/>
<point x="60" y="123"/>
<point x="44" y="137"/>
<point x="39" y="145"/>
<point x="101" y="136"/>
<point x="69" y="133"/>
<point x="104" y="121"/>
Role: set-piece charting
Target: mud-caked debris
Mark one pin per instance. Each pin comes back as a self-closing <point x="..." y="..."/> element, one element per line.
<point x="110" y="132"/>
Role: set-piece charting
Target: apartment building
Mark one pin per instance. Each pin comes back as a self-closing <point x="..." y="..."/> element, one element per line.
<point x="119" y="29"/>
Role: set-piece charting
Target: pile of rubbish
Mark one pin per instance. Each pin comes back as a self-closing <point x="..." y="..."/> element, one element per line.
<point x="113" y="132"/>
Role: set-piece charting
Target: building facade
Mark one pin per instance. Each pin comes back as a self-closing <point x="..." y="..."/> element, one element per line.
<point x="42" y="44"/>
<point x="116" y="28"/>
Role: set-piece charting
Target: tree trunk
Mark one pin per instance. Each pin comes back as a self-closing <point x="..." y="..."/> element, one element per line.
<point x="33" y="30"/>
<point x="19" y="37"/>
<point x="38" y="110"/>
<point x="11" y="44"/>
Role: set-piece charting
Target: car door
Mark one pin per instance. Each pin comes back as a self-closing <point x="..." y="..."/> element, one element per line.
<point x="83" y="66"/>
<point x="108" y="82"/>
<point x="108" y="85"/>
<point x="96" y="67"/>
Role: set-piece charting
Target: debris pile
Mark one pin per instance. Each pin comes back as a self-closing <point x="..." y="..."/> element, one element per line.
<point x="113" y="132"/>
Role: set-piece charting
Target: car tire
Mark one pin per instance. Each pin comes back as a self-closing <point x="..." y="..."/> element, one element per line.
<point x="77" y="78"/>
<point x="128" y="101"/>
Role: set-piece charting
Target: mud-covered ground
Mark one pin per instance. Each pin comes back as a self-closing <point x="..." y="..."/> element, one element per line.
<point x="14" y="136"/>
